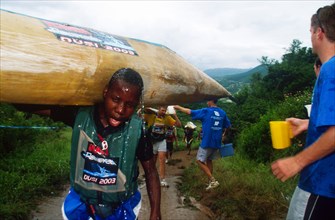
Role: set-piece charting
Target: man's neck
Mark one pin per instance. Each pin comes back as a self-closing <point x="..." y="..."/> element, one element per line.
<point x="327" y="52"/>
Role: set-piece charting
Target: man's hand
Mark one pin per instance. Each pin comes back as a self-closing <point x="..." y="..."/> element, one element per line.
<point x="286" y="168"/>
<point x="182" y="109"/>
<point x="298" y="125"/>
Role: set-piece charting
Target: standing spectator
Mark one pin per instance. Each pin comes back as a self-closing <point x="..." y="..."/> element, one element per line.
<point x="214" y="122"/>
<point x="171" y="137"/>
<point x="314" y="197"/>
<point x="157" y="124"/>
<point x="188" y="135"/>
<point x="317" y="66"/>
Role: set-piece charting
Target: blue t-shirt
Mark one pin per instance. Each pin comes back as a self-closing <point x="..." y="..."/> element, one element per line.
<point x="319" y="177"/>
<point x="214" y="120"/>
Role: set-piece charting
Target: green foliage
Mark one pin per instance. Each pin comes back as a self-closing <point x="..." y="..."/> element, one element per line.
<point x="246" y="188"/>
<point x="12" y="138"/>
<point x="255" y="140"/>
<point x="273" y="96"/>
<point x="294" y="74"/>
<point x="34" y="162"/>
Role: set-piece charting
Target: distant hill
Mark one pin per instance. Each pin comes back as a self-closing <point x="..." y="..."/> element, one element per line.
<point x="219" y="72"/>
<point x="246" y="76"/>
<point x="232" y="79"/>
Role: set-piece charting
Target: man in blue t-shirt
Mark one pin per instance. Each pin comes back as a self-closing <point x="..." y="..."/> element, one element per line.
<point x="214" y="123"/>
<point x="314" y="197"/>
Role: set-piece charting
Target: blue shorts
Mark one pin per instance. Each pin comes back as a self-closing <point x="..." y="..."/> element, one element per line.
<point x="74" y="208"/>
<point x="205" y="154"/>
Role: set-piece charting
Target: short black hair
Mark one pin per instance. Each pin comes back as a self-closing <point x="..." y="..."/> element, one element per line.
<point x="128" y="75"/>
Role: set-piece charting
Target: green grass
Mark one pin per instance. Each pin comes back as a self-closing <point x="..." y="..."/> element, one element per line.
<point x="32" y="172"/>
<point x="247" y="190"/>
<point x="182" y="145"/>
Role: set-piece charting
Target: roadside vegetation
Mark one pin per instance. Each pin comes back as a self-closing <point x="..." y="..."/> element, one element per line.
<point x="248" y="190"/>
<point x="35" y="162"/>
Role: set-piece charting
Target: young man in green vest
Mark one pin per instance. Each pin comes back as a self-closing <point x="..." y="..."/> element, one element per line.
<point x="107" y="142"/>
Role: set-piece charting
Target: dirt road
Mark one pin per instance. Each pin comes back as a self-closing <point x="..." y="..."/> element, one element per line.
<point x="171" y="202"/>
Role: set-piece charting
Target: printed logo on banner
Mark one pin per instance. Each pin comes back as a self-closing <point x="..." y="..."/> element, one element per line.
<point x="89" y="37"/>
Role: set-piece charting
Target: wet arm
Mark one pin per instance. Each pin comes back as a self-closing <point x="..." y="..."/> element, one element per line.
<point x="182" y="109"/>
<point x="153" y="187"/>
<point x="34" y="109"/>
<point x="319" y="149"/>
<point x="65" y="114"/>
<point x="177" y="123"/>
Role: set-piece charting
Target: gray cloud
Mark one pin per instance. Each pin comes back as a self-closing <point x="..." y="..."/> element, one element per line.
<point x="209" y="34"/>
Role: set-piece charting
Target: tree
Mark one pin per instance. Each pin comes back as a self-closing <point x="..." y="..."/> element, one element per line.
<point x="293" y="74"/>
<point x="285" y="79"/>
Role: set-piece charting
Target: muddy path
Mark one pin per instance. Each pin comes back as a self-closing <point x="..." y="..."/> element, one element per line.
<point x="172" y="206"/>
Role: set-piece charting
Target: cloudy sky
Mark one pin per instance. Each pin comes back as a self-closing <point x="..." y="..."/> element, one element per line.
<point x="208" y="34"/>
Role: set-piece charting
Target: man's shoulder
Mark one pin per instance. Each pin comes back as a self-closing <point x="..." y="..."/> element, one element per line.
<point x="219" y="109"/>
<point x="328" y="68"/>
<point x="150" y="115"/>
<point x="66" y="114"/>
<point x="195" y="111"/>
<point x="166" y="116"/>
<point x="136" y="118"/>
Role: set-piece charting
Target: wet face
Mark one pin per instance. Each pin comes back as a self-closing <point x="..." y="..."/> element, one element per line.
<point x="162" y="111"/>
<point x="120" y="102"/>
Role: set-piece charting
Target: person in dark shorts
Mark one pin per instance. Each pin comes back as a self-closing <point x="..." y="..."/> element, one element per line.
<point x="188" y="136"/>
<point x="171" y="138"/>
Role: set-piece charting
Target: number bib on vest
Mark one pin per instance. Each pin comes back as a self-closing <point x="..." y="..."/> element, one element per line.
<point x="95" y="170"/>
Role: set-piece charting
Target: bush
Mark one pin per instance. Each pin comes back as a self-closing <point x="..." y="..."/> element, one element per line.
<point x="18" y="128"/>
<point x="34" y="162"/>
<point x="255" y="141"/>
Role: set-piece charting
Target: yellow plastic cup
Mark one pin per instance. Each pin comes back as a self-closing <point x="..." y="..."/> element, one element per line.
<point x="281" y="134"/>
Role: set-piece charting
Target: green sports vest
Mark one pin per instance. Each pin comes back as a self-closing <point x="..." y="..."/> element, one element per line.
<point x="90" y="175"/>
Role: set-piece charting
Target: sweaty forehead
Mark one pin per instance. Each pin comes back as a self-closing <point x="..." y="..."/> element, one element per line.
<point x="124" y="86"/>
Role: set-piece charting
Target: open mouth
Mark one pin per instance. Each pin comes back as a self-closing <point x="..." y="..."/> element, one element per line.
<point x="114" y="122"/>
